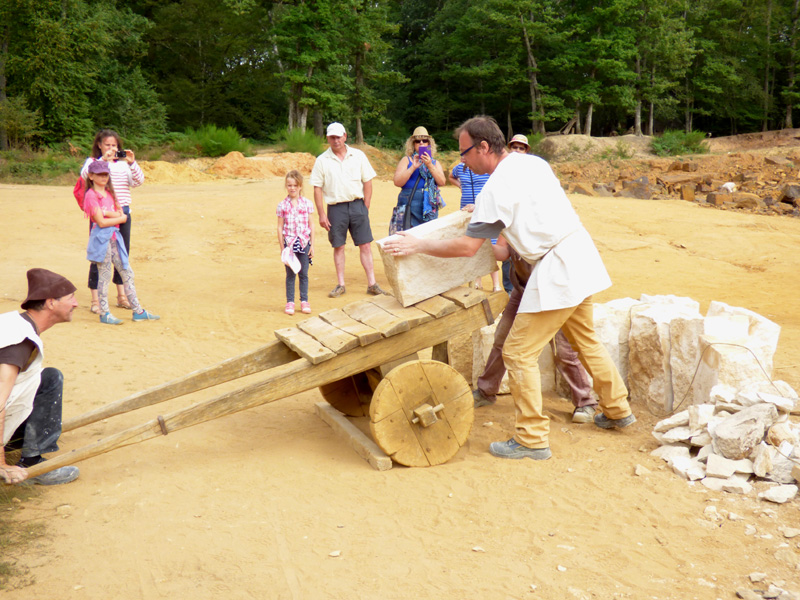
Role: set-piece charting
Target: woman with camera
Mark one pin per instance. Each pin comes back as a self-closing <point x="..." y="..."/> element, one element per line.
<point x="419" y="175"/>
<point x="125" y="174"/>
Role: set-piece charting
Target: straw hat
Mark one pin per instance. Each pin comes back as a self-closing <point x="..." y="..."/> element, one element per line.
<point x="520" y="139"/>
<point x="420" y="132"/>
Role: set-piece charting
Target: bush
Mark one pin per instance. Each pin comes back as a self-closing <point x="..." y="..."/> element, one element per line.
<point x="674" y="143"/>
<point x="38" y="167"/>
<point x="300" y="141"/>
<point x="620" y="150"/>
<point x="213" y="141"/>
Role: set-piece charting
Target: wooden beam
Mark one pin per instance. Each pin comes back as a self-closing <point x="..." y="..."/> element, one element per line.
<point x="305" y="345"/>
<point x="273" y="354"/>
<point x="358" y="441"/>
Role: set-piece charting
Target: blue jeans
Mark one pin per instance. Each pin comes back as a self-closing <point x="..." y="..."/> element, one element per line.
<point x="125" y="231"/>
<point x="39" y="433"/>
<point x="303" y="274"/>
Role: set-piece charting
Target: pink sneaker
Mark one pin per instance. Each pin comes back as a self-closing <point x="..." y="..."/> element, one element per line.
<point x="289" y="310"/>
<point x="305" y="307"/>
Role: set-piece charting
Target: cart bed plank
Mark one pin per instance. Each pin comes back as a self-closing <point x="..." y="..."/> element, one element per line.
<point x="376" y="317"/>
<point x="465" y="296"/>
<point x="338" y="318"/>
<point x="437" y="306"/>
<point x="329" y="336"/>
<point x="305" y="345"/>
<point x="413" y="315"/>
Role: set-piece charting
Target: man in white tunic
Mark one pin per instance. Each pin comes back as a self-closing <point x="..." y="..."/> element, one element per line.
<point x="523" y="200"/>
<point x="30" y="396"/>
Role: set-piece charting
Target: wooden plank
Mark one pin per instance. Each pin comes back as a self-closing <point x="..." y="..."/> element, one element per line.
<point x="305" y="345"/>
<point x="364" y="447"/>
<point x="286" y="380"/>
<point x="414" y="316"/>
<point x="329" y="336"/>
<point x="377" y="318"/>
<point x="268" y="356"/>
<point x="465" y="296"/>
<point x="338" y="318"/>
<point x="437" y="306"/>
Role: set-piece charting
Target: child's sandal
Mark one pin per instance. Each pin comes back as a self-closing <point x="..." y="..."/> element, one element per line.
<point x="122" y="302"/>
<point x="95" y="307"/>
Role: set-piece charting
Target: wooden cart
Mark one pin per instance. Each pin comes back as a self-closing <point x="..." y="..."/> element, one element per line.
<point x="420" y="411"/>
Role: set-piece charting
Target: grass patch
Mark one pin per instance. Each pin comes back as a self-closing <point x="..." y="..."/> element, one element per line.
<point x="301" y="141"/>
<point x="675" y="143"/>
<point x="37" y="166"/>
<point x="211" y="140"/>
<point x="621" y="150"/>
<point x="15" y="535"/>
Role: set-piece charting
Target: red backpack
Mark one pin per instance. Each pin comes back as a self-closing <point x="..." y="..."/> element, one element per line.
<point x="79" y="190"/>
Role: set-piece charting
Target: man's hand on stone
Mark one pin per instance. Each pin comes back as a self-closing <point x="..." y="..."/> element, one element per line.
<point x="402" y="245"/>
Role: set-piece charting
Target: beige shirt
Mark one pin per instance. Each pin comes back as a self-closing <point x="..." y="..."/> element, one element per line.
<point x="342" y="180"/>
<point x="541" y="225"/>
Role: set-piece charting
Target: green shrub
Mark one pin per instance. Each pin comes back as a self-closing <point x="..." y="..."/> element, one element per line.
<point x="620" y="150"/>
<point x="300" y="141"/>
<point x="37" y="167"/>
<point x="213" y="141"/>
<point x="674" y="143"/>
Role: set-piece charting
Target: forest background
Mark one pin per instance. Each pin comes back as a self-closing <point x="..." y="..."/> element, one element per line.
<point x="147" y="68"/>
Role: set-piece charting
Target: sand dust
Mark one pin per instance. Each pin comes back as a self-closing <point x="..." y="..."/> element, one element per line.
<point x="253" y="505"/>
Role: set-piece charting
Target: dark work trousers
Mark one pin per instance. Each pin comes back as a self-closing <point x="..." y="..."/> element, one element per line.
<point x="39" y="433"/>
<point x="125" y="230"/>
<point x="508" y="286"/>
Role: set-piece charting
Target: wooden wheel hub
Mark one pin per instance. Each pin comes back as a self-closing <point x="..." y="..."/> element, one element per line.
<point x="421" y="413"/>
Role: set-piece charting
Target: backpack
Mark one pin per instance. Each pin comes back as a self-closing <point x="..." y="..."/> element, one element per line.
<point x="79" y="190"/>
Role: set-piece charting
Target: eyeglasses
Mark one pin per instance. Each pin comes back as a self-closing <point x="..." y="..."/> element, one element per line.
<point x="425" y="141"/>
<point x="467" y="150"/>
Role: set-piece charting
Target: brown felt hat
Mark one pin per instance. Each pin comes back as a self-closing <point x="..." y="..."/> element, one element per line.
<point x="44" y="284"/>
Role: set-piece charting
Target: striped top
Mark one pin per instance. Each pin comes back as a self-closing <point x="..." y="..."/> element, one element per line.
<point x="471" y="183"/>
<point x="123" y="178"/>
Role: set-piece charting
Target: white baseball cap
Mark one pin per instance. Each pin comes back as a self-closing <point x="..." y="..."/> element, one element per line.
<point x="336" y="129"/>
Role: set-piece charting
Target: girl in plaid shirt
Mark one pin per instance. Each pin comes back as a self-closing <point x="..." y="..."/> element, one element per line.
<point x="296" y="239"/>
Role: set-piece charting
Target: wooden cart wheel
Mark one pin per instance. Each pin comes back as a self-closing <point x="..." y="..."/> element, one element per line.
<point x="350" y="395"/>
<point x="421" y="413"/>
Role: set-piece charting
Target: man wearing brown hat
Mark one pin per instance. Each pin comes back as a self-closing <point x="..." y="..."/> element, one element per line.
<point x="30" y="396"/>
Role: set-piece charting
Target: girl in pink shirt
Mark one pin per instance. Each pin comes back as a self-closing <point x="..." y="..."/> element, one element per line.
<point x="296" y="239"/>
<point x="106" y="247"/>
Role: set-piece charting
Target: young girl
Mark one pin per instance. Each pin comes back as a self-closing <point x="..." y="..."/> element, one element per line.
<point x="296" y="232"/>
<point x="105" y="242"/>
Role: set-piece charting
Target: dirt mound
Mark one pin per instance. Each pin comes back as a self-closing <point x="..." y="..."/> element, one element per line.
<point x="383" y="162"/>
<point x="763" y="140"/>
<point x="235" y="164"/>
<point x="560" y="148"/>
<point x="158" y="171"/>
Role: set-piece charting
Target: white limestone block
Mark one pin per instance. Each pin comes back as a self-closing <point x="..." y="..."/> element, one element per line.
<point x="732" y="366"/>
<point x="650" y="375"/>
<point x="779" y="494"/>
<point x="676" y="420"/>
<point x="737" y="484"/>
<point x="688" y="468"/>
<point x="701" y="439"/>
<point x="612" y="323"/>
<point x="762" y="460"/>
<point x="419" y="276"/>
<point x="719" y="466"/>
<point x="738" y="435"/>
<point x="670" y="451"/>
<point x="783" y="432"/>
<point x="721" y="393"/>
<point x="684" y="338"/>
<point x="762" y="333"/>
<point x="677" y="434"/>
<point x="699" y="416"/>
<point x="705" y="452"/>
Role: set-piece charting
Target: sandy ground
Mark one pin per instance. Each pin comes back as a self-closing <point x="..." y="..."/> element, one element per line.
<point x="252" y="505"/>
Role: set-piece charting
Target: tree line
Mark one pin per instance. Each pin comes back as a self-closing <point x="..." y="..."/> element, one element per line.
<point x="146" y="67"/>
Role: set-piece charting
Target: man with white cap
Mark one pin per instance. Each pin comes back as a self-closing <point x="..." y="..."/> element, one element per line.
<point x="30" y="396"/>
<point x="342" y="180"/>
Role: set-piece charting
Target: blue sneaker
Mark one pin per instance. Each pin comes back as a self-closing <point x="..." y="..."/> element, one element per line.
<point x="57" y="476"/>
<point x="110" y="319"/>
<point x="604" y="422"/>
<point x="512" y="449"/>
<point x="145" y="316"/>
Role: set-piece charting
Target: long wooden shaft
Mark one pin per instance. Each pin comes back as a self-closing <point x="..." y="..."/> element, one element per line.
<point x="290" y="379"/>
<point x="268" y="356"/>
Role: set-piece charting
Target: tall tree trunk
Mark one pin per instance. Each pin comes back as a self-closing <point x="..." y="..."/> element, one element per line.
<point x="651" y="119"/>
<point x="587" y="127"/>
<point x="359" y="108"/>
<point x="537" y="125"/>
<point x="509" y="128"/>
<point x="5" y="32"/>
<point x="637" y="119"/>
<point x="790" y="84"/>
<point x="578" y="118"/>
<point x="767" y="61"/>
<point x="319" y="127"/>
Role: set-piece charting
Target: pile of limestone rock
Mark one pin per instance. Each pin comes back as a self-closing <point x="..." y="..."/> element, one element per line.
<point x="728" y="420"/>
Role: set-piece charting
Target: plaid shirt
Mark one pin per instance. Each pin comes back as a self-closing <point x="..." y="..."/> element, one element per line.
<point x="296" y="221"/>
